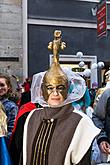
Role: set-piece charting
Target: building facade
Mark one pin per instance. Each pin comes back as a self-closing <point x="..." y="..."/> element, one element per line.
<point x="11" y="40"/>
<point x="78" y="23"/>
<point x="27" y="26"/>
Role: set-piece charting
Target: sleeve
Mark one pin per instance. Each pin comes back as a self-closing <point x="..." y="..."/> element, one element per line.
<point x="11" y="115"/>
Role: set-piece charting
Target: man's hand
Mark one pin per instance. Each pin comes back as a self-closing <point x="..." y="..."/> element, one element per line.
<point x="105" y="147"/>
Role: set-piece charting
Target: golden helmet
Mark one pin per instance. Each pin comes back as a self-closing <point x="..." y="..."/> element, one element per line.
<point x="55" y="75"/>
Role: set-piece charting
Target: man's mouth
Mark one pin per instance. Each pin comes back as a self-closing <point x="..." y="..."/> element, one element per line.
<point x="56" y="99"/>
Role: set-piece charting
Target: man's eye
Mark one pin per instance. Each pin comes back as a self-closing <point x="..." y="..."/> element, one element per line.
<point x="50" y="88"/>
<point x="61" y="87"/>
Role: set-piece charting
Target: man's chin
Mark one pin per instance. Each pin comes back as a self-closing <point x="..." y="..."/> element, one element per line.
<point x="55" y="104"/>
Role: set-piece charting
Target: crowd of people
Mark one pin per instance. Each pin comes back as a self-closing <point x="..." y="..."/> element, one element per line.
<point x="56" y="119"/>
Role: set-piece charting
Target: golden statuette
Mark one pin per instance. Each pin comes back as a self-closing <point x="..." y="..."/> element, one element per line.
<point x="56" y="45"/>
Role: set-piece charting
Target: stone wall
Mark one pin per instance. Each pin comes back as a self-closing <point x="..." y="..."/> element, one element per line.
<point x="11" y="50"/>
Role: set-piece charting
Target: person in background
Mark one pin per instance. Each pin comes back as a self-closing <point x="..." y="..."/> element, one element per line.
<point x="10" y="107"/>
<point x="101" y="118"/>
<point x="83" y="103"/>
<point x="27" y="85"/>
<point x="92" y="92"/>
<point x="56" y="134"/>
<point x="26" y="94"/>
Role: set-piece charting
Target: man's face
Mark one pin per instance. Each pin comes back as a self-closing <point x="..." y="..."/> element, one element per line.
<point x="55" y="94"/>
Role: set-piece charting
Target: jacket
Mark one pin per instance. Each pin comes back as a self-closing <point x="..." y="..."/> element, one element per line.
<point x="101" y="116"/>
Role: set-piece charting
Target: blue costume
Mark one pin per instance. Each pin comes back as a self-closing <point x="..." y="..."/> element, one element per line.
<point x="4" y="154"/>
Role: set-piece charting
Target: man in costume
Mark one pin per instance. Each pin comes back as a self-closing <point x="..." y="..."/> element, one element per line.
<point x="57" y="133"/>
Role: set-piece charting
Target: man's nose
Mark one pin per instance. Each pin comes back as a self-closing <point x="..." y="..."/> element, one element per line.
<point x="55" y="92"/>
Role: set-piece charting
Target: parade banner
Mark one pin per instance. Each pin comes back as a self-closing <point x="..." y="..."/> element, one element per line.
<point x="102" y="19"/>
